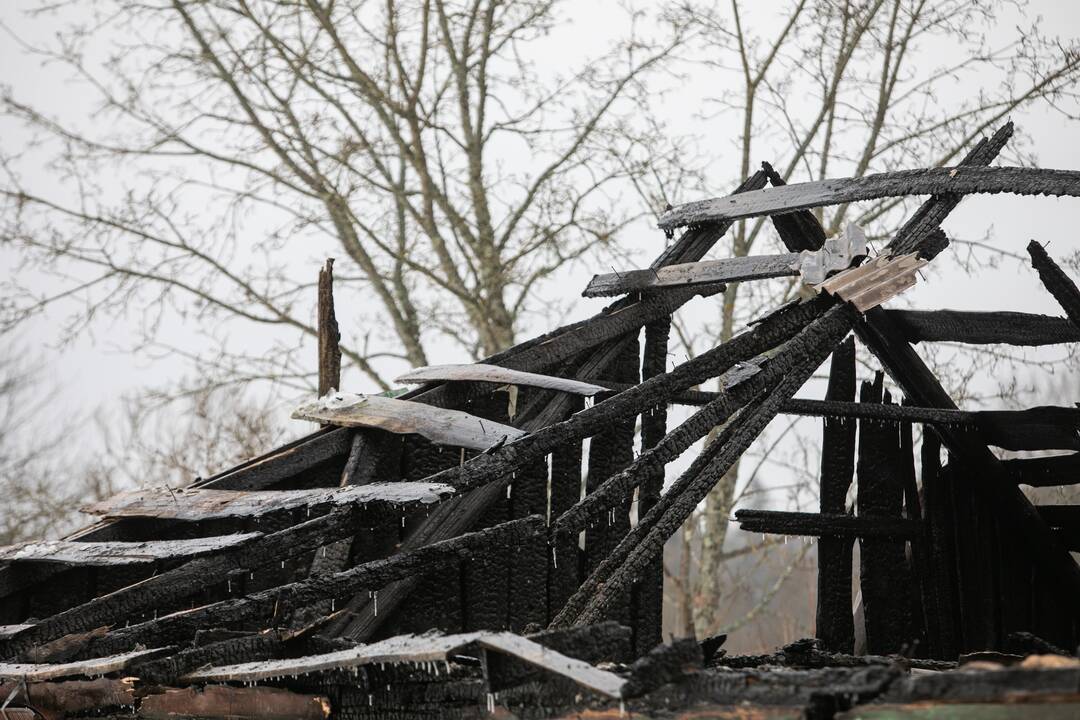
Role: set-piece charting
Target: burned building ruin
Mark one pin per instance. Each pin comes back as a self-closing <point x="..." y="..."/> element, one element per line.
<point x="419" y="555"/>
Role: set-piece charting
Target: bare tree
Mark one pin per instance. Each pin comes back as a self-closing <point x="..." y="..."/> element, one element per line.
<point x="417" y="140"/>
<point x="846" y="87"/>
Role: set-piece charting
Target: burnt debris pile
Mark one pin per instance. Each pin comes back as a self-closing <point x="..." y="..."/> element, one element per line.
<point x="438" y="553"/>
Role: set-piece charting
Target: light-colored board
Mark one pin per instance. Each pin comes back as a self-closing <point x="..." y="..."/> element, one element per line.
<point x="420" y="649"/>
<point x="440" y="425"/>
<point x="696" y="273"/>
<point x="929" y="181"/>
<point x="118" y="553"/>
<point x="479" y="372"/>
<point x="87" y="668"/>
<point x="207" y="503"/>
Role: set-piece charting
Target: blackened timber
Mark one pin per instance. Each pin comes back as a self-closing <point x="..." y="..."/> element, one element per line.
<point x="1056" y="281"/>
<point x="983" y="328"/>
<point x="528" y="563"/>
<point x="1016" y="514"/>
<point x="269" y="605"/>
<point x="941" y="585"/>
<point x="166" y="590"/>
<point x="610" y="451"/>
<point x="835" y="625"/>
<point x="648" y="597"/>
<point x="329" y="335"/>
<point x="744" y="346"/>
<point x="1050" y="471"/>
<point x="798" y="231"/>
<point x="826" y="525"/>
<point x="880" y="498"/>
<point x="967" y="180"/>
<point x="918" y="232"/>
<point x="640" y="546"/>
<point x="564" y="574"/>
<point x="284" y="463"/>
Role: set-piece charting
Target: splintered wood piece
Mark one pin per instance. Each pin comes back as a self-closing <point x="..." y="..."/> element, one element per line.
<point x="427" y="648"/>
<point x="695" y="273"/>
<point x="479" y="372"/>
<point x="870" y="285"/>
<point x="927" y="181"/>
<point x="439" y="425"/>
<point x="119" y="553"/>
<point x="207" y="503"/>
<point x="97" y="666"/>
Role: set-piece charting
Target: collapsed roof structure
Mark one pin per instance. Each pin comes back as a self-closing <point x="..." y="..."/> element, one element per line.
<point x="420" y="556"/>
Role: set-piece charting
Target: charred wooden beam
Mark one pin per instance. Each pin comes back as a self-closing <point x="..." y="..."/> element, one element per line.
<point x="798" y="231"/>
<point x="835" y="624"/>
<point x="286" y="462"/>
<point x="167" y="590"/>
<point x="960" y="180"/>
<point x="625" y="564"/>
<point x="982" y="328"/>
<point x="826" y="525"/>
<point x="1052" y="471"/>
<point x="1056" y="281"/>
<point x="274" y="603"/>
<point x="917" y="234"/>
<point x="940" y="517"/>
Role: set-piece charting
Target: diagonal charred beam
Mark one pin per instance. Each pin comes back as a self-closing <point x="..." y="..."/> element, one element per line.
<point x="966" y="180"/>
<point x="168" y="590"/>
<point x="638" y="548"/>
<point x="1056" y="281"/>
<point x="268" y="606"/>
<point x="982" y="328"/>
<point x="1052" y="471"/>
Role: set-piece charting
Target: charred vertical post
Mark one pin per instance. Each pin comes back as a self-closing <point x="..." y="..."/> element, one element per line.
<point x="609" y="452"/>
<point x="835" y="625"/>
<point x="329" y="336"/>
<point x="940" y="586"/>
<point x="564" y="574"/>
<point x="648" y="595"/>
<point x="528" y="562"/>
<point x="883" y="565"/>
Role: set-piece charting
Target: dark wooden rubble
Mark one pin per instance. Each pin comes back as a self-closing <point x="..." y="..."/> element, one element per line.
<point x="450" y="550"/>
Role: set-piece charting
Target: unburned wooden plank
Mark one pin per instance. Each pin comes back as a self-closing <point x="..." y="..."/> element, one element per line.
<point x="234" y="703"/>
<point x="119" y="553"/>
<point x="440" y="425"/>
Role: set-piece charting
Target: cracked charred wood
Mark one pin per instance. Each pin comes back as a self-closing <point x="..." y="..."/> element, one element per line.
<point x="916" y="235"/>
<point x="762" y="337"/>
<point x="169" y="589"/>
<point x="626" y="563"/>
<point x="960" y="180"/>
<point x="663" y="664"/>
<point x="835" y="625"/>
<point x="742" y="385"/>
<point x="1016" y="516"/>
<point x="1056" y="281"/>
<point x="301" y="456"/>
<point x="610" y="451"/>
<point x="269" y="605"/>
<point x="255" y="646"/>
<point x="884" y="572"/>
<point x="826" y="525"/>
<point x="798" y="231"/>
<point x="983" y="328"/>
<point x="648" y="597"/>
<point x="940" y="582"/>
<point x="1051" y="471"/>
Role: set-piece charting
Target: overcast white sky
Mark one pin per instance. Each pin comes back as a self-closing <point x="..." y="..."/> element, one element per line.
<point x="94" y="370"/>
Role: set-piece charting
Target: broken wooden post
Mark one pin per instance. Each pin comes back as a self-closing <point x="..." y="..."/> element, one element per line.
<point x="1056" y="281"/>
<point x="835" y="625"/>
<point x="329" y="336"/>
